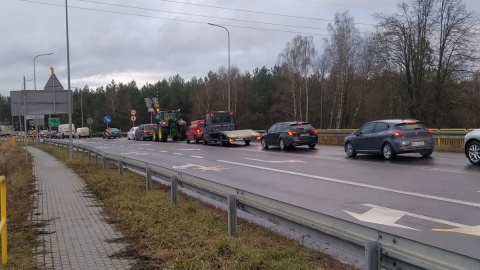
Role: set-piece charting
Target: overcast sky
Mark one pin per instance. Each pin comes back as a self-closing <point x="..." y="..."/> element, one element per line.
<point x="149" y="40"/>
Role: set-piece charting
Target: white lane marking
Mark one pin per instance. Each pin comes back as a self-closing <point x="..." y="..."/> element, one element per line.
<point x="196" y="156"/>
<point x="164" y="151"/>
<point x="387" y="216"/>
<point x="140" y="148"/>
<point x="134" y="153"/>
<point x="415" y="194"/>
<point x="276" y="161"/>
<point x="199" y="167"/>
<point x="151" y="149"/>
<point x="185" y="149"/>
<point x="180" y="154"/>
<point x="130" y="147"/>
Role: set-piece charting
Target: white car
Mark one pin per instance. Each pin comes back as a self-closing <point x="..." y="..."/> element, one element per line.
<point x="131" y="133"/>
<point x="83" y="132"/>
<point x="472" y="146"/>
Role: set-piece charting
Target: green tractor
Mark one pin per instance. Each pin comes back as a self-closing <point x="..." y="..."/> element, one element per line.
<point x="170" y="124"/>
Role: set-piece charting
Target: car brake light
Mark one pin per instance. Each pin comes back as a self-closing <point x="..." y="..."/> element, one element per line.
<point x="429" y="131"/>
<point x="398" y="134"/>
<point x="291" y="133"/>
<point x="145" y="131"/>
<point x="410" y="122"/>
<point x="258" y="138"/>
<point x="314" y="131"/>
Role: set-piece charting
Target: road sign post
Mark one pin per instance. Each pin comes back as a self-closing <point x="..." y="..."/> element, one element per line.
<point x="90" y="121"/>
<point x="133" y="117"/>
<point x="107" y="119"/>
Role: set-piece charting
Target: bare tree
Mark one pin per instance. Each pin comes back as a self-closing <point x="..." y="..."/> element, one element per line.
<point x="342" y="48"/>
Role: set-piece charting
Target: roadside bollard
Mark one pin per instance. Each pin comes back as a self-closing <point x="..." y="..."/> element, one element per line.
<point x="232" y="215"/>
<point x="372" y="255"/>
<point x="174" y="189"/>
<point x="148" y="178"/>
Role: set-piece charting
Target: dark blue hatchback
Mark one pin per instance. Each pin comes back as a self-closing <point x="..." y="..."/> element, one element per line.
<point x="389" y="138"/>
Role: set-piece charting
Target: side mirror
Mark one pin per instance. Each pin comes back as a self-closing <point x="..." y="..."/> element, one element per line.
<point x="358" y="132"/>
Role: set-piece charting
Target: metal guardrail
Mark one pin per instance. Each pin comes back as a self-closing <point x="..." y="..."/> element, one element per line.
<point x="3" y="218"/>
<point x="380" y="249"/>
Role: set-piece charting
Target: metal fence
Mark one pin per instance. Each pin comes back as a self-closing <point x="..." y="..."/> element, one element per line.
<point x="3" y="218"/>
<point x="380" y="249"/>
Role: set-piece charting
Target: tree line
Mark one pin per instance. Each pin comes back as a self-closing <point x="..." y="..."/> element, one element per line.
<point x="420" y="62"/>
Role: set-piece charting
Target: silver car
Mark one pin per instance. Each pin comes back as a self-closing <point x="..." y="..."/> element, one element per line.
<point x="472" y="146"/>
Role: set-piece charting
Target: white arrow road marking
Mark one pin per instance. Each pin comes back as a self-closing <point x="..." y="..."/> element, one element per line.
<point x="196" y="156"/>
<point x="199" y="167"/>
<point x="134" y="153"/>
<point x="415" y="194"/>
<point x="387" y="216"/>
<point x="277" y="161"/>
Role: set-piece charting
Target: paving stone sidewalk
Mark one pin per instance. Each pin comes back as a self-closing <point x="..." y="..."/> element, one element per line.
<point x="74" y="234"/>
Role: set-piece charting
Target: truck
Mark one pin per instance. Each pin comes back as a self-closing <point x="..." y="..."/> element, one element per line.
<point x="221" y="127"/>
<point x="170" y="125"/>
<point x="6" y="130"/>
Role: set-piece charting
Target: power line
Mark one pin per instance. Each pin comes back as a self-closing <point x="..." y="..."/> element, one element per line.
<point x="256" y="12"/>
<point x="172" y="19"/>
<point x="203" y="16"/>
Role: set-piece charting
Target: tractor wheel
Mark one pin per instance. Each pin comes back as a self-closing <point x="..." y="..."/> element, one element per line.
<point x="175" y="138"/>
<point x="164" y="134"/>
<point x="157" y="134"/>
<point x="183" y="133"/>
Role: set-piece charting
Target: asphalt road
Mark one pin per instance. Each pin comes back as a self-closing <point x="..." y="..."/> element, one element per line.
<point x="434" y="200"/>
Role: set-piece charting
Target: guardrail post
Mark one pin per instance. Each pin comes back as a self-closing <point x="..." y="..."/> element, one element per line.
<point x="104" y="160"/>
<point x="148" y="178"/>
<point x="372" y="255"/>
<point x="96" y="157"/>
<point x="89" y="154"/>
<point x="120" y="166"/>
<point x="174" y="189"/>
<point x="232" y="215"/>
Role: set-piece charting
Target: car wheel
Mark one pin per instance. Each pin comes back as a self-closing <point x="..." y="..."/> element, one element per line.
<point x="282" y="145"/>
<point x="264" y="144"/>
<point x="350" y="150"/>
<point x="426" y="153"/>
<point x="204" y="141"/>
<point x="312" y="146"/>
<point x="388" y="152"/>
<point x="197" y="140"/>
<point x="128" y="138"/>
<point x="247" y="142"/>
<point x="473" y="150"/>
<point x="188" y="140"/>
<point x="136" y="139"/>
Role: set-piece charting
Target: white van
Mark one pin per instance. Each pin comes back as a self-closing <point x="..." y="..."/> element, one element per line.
<point x="64" y="131"/>
<point x="83" y="132"/>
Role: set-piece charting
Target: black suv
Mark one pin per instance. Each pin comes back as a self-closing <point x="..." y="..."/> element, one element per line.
<point x="290" y="134"/>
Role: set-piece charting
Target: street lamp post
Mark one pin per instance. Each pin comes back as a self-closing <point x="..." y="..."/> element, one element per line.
<point x="34" y="78"/>
<point x="228" y="33"/>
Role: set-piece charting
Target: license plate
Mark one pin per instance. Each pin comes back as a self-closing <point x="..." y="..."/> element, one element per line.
<point x="304" y="134"/>
<point x="418" y="143"/>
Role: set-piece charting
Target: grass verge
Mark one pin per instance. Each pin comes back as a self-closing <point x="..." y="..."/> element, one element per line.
<point x="190" y="235"/>
<point x="20" y="203"/>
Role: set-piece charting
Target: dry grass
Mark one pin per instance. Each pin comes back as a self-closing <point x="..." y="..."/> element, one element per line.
<point x="190" y="235"/>
<point x="20" y="190"/>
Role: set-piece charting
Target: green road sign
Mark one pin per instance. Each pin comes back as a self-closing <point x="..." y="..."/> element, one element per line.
<point x="53" y="122"/>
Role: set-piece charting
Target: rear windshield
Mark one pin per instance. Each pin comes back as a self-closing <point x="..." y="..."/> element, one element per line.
<point x="149" y="127"/>
<point x="416" y="126"/>
<point x="301" y="127"/>
<point x="221" y="118"/>
<point x="114" y="129"/>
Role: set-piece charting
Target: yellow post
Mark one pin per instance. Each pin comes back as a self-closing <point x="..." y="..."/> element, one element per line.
<point x="3" y="215"/>
<point x="13" y="140"/>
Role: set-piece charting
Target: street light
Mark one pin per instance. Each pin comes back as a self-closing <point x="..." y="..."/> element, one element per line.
<point x="228" y="33"/>
<point x="81" y="101"/>
<point x="34" y="78"/>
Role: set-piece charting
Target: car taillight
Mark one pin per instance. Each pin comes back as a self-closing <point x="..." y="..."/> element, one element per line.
<point x="199" y="131"/>
<point x="429" y="131"/>
<point x="398" y="134"/>
<point x="314" y="131"/>
<point x="291" y="133"/>
<point x="145" y="131"/>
